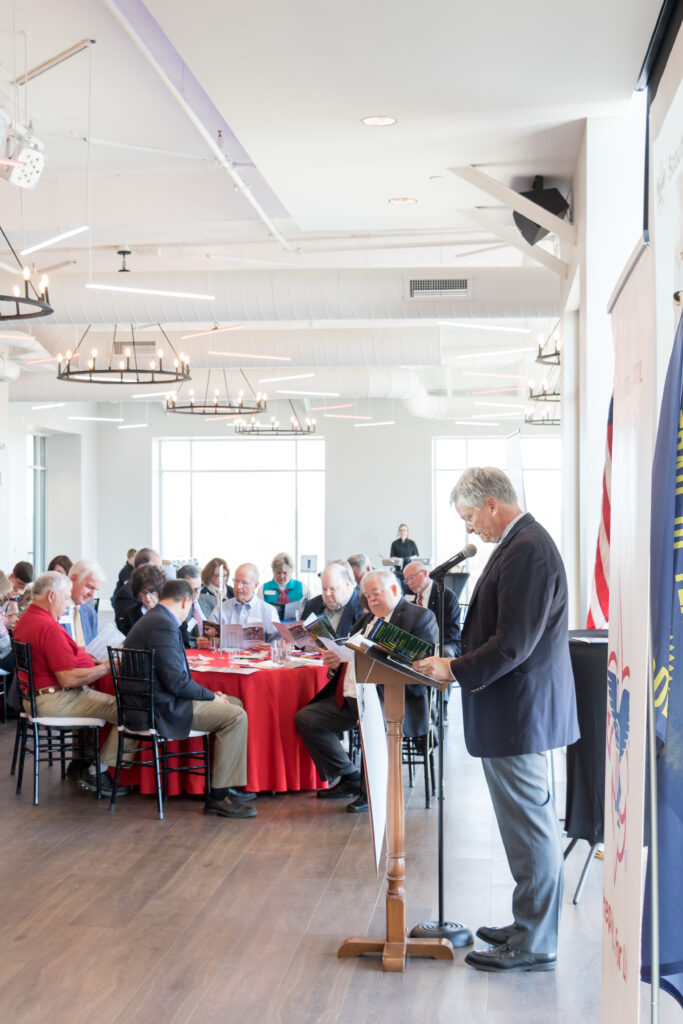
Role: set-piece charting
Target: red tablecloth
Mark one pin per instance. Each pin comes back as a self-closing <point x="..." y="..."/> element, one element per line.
<point x="276" y="756"/>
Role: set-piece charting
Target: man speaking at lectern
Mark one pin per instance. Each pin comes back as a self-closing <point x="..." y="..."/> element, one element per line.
<point x="518" y="702"/>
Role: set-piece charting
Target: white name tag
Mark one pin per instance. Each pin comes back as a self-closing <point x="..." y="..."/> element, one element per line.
<point x="270" y="593"/>
<point x="191" y="623"/>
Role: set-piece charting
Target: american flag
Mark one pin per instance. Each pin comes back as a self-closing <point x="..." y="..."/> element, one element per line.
<point x="598" y="613"/>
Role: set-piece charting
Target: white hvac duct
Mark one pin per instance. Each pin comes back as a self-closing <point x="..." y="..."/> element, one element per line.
<point x="256" y="296"/>
<point x="364" y="382"/>
<point x="17" y="348"/>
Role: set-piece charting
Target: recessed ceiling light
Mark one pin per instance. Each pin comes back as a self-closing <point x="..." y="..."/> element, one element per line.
<point x="378" y="121"/>
<point x="402" y="201"/>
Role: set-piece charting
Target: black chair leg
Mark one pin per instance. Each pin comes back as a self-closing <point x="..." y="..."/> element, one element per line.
<point x="207" y="766"/>
<point x="62" y="751"/>
<point x="119" y="758"/>
<point x="98" y="775"/>
<point x="21" y="725"/>
<point x="22" y="755"/>
<point x="157" y="778"/>
<point x="36" y="761"/>
<point x="49" y="747"/>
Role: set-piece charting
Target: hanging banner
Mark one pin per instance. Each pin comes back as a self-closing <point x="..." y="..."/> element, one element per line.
<point x="632" y="312"/>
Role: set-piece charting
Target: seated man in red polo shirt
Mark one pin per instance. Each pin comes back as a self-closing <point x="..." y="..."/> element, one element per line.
<point x="62" y="670"/>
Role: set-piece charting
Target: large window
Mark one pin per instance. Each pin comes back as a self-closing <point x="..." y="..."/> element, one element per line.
<point x="541" y="459"/>
<point x="242" y="499"/>
<point x="35" y="501"/>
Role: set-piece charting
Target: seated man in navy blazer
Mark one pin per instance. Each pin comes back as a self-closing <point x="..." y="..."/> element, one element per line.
<point x="182" y="705"/>
<point x="340" y="599"/>
<point x="518" y="701"/>
<point x="80" y="621"/>
<point x="335" y="708"/>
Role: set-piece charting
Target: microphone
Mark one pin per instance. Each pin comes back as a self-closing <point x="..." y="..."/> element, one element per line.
<point x="442" y="570"/>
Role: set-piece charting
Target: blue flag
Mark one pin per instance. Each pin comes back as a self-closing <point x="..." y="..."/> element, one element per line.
<point x="666" y="593"/>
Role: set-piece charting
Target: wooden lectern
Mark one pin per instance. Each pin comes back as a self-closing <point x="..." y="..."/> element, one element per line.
<point x="372" y="667"/>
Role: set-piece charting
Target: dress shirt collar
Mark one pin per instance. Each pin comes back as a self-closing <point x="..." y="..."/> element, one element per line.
<point x="509" y="527"/>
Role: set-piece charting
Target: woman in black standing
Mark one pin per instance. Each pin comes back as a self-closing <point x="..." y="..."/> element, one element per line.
<point x="403" y="547"/>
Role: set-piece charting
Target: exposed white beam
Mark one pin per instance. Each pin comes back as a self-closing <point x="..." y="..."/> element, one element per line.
<point x="512" y="237"/>
<point x="205" y="133"/>
<point x="562" y="228"/>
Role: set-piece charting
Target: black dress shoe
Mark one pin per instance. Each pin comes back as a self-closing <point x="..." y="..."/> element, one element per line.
<point x="507" y="959"/>
<point x="240" y="795"/>
<point x="495" y="936"/>
<point x="358" y="805"/>
<point x="228" y="808"/>
<point x="344" y="787"/>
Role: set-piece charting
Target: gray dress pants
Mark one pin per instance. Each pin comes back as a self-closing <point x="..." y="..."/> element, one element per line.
<point x="527" y="819"/>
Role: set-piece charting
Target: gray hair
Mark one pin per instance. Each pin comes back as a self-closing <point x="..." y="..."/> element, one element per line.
<point x="388" y="578"/>
<point x="360" y="561"/>
<point x="282" y="562"/>
<point x="87" y="567"/>
<point x="55" y="581"/>
<point x="477" y="484"/>
<point x="344" y="568"/>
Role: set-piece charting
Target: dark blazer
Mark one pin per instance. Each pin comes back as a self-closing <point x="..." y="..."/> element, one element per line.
<point x="352" y="609"/>
<point x="174" y="687"/>
<point x="451" y="616"/>
<point x="189" y="636"/>
<point x="124" y="605"/>
<point x="421" y="623"/>
<point x="515" y="674"/>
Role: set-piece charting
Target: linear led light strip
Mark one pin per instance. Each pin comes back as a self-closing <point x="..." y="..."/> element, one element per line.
<point x="49" y="405"/>
<point x="344" y="416"/>
<point x="320" y="408"/>
<point x="500" y="415"/>
<point x="469" y="423"/>
<point x="132" y="426"/>
<point x="248" y="355"/>
<point x="484" y="327"/>
<point x="98" y="419"/>
<point x="378" y="423"/>
<point x="54" y="239"/>
<point x="493" y="373"/>
<point x="498" y="352"/>
<point x="315" y="394"/>
<point x="149" y="291"/>
<point x="214" y="330"/>
<point x="497" y="391"/>
<point x="293" y="376"/>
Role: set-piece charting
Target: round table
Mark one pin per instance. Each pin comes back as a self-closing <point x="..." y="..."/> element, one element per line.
<point x="277" y="759"/>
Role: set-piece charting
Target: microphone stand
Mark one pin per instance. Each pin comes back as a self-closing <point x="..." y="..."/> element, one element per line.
<point x="456" y="933"/>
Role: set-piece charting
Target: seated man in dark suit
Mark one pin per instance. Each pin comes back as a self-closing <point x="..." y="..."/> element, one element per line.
<point x="182" y="705"/>
<point x="335" y="710"/>
<point x="340" y="599"/>
<point x="193" y="625"/>
<point x="416" y="577"/>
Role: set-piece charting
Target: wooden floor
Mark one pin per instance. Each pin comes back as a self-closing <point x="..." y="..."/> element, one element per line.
<point x="194" y="919"/>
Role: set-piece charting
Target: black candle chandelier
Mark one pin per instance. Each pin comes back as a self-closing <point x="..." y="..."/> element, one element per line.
<point x="134" y="361"/>
<point x="20" y="305"/>
<point x="213" y="403"/>
<point x="295" y="427"/>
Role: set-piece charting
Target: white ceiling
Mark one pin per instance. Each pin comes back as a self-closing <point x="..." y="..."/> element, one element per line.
<point x="505" y="86"/>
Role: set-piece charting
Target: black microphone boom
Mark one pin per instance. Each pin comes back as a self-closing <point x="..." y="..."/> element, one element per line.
<point x="442" y="570"/>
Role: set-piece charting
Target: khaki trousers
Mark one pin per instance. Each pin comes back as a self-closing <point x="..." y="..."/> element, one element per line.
<point x="82" y="702"/>
<point x="228" y="723"/>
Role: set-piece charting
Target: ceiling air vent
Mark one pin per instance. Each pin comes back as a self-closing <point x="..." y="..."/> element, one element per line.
<point x="440" y="288"/>
<point x="140" y="348"/>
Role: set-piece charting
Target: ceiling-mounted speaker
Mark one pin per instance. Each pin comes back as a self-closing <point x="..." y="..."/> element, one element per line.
<point x="549" y="199"/>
